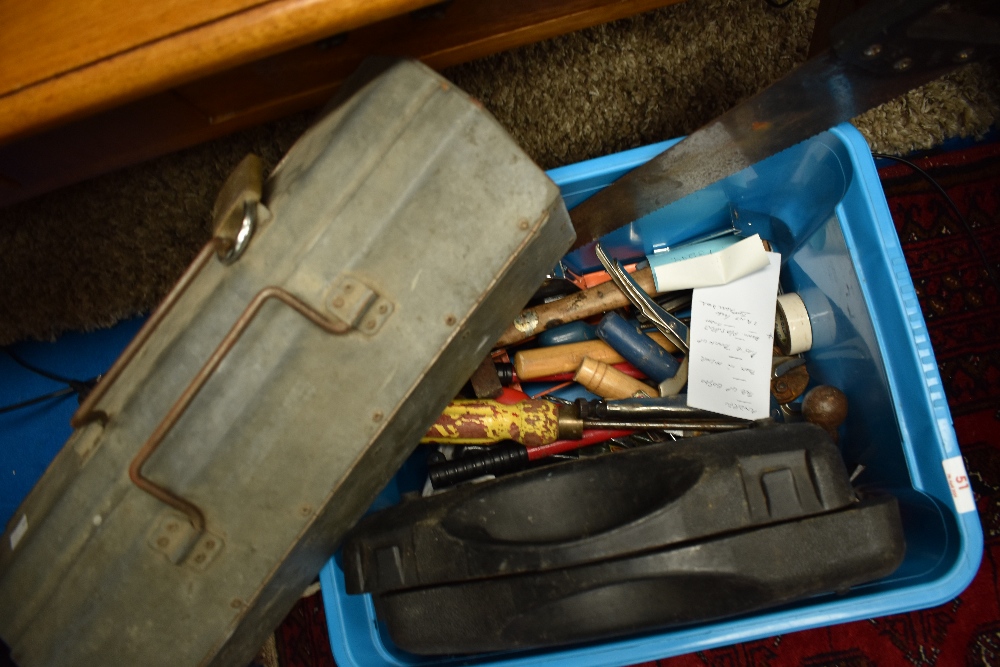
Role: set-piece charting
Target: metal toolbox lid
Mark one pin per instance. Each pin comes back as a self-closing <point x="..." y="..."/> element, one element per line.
<point x="267" y="401"/>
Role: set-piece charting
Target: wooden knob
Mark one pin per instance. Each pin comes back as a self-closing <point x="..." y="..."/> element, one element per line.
<point x="825" y="406"/>
<point x="608" y="382"/>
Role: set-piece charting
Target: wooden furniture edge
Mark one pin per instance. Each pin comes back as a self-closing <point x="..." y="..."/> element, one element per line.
<point x="173" y="60"/>
<point x="173" y="119"/>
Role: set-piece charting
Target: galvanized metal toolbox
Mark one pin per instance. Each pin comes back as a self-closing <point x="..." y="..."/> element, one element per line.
<point x="279" y="386"/>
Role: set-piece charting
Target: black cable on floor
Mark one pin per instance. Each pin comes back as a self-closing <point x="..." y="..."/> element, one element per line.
<point x="79" y="387"/>
<point x="65" y="391"/>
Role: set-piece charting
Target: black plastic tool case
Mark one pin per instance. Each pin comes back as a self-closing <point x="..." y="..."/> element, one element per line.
<point x="662" y="535"/>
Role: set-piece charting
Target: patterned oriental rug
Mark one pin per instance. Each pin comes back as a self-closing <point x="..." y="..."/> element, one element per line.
<point x="961" y="305"/>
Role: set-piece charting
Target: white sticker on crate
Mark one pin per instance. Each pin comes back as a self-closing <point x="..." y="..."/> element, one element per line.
<point x="19" y="530"/>
<point x="958" y="482"/>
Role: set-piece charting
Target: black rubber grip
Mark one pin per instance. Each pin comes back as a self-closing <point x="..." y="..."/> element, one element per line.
<point x="498" y="459"/>
<point x="505" y="371"/>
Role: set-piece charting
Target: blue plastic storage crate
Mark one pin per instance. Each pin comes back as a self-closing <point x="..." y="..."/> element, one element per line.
<point x="822" y="206"/>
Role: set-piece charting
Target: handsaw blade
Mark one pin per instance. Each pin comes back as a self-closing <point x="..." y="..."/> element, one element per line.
<point x="814" y="97"/>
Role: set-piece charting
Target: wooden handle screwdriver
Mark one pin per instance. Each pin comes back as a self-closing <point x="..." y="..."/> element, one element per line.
<point x="592" y="301"/>
<point x="546" y="361"/>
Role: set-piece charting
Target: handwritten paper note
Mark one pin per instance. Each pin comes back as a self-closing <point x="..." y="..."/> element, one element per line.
<point x="732" y="332"/>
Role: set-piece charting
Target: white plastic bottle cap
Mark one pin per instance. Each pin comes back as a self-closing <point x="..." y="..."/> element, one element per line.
<point x="792" y="329"/>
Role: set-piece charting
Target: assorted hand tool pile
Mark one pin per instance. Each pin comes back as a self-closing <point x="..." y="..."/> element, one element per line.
<point x="668" y="511"/>
<point x="596" y="364"/>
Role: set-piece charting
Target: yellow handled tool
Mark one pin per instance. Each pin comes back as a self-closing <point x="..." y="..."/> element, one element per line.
<point x="530" y="422"/>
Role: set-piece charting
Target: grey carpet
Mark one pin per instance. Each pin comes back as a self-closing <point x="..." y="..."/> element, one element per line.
<point x="89" y="255"/>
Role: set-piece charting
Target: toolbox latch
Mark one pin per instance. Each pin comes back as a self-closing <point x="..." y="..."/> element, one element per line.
<point x="358" y="305"/>
<point x="180" y="542"/>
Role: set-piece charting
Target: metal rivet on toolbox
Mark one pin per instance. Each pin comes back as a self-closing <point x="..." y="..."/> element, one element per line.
<point x="358" y="305"/>
<point x="450" y="320"/>
<point x="351" y="300"/>
<point x="377" y="315"/>
<point x="204" y="553"/>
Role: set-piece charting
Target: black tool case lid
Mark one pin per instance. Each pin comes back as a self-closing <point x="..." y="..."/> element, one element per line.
<point x="703" y="580"/>
<point x="600" y="508"/>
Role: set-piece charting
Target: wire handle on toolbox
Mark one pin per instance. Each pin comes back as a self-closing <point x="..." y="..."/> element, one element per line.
<point x="88" y="411"/>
